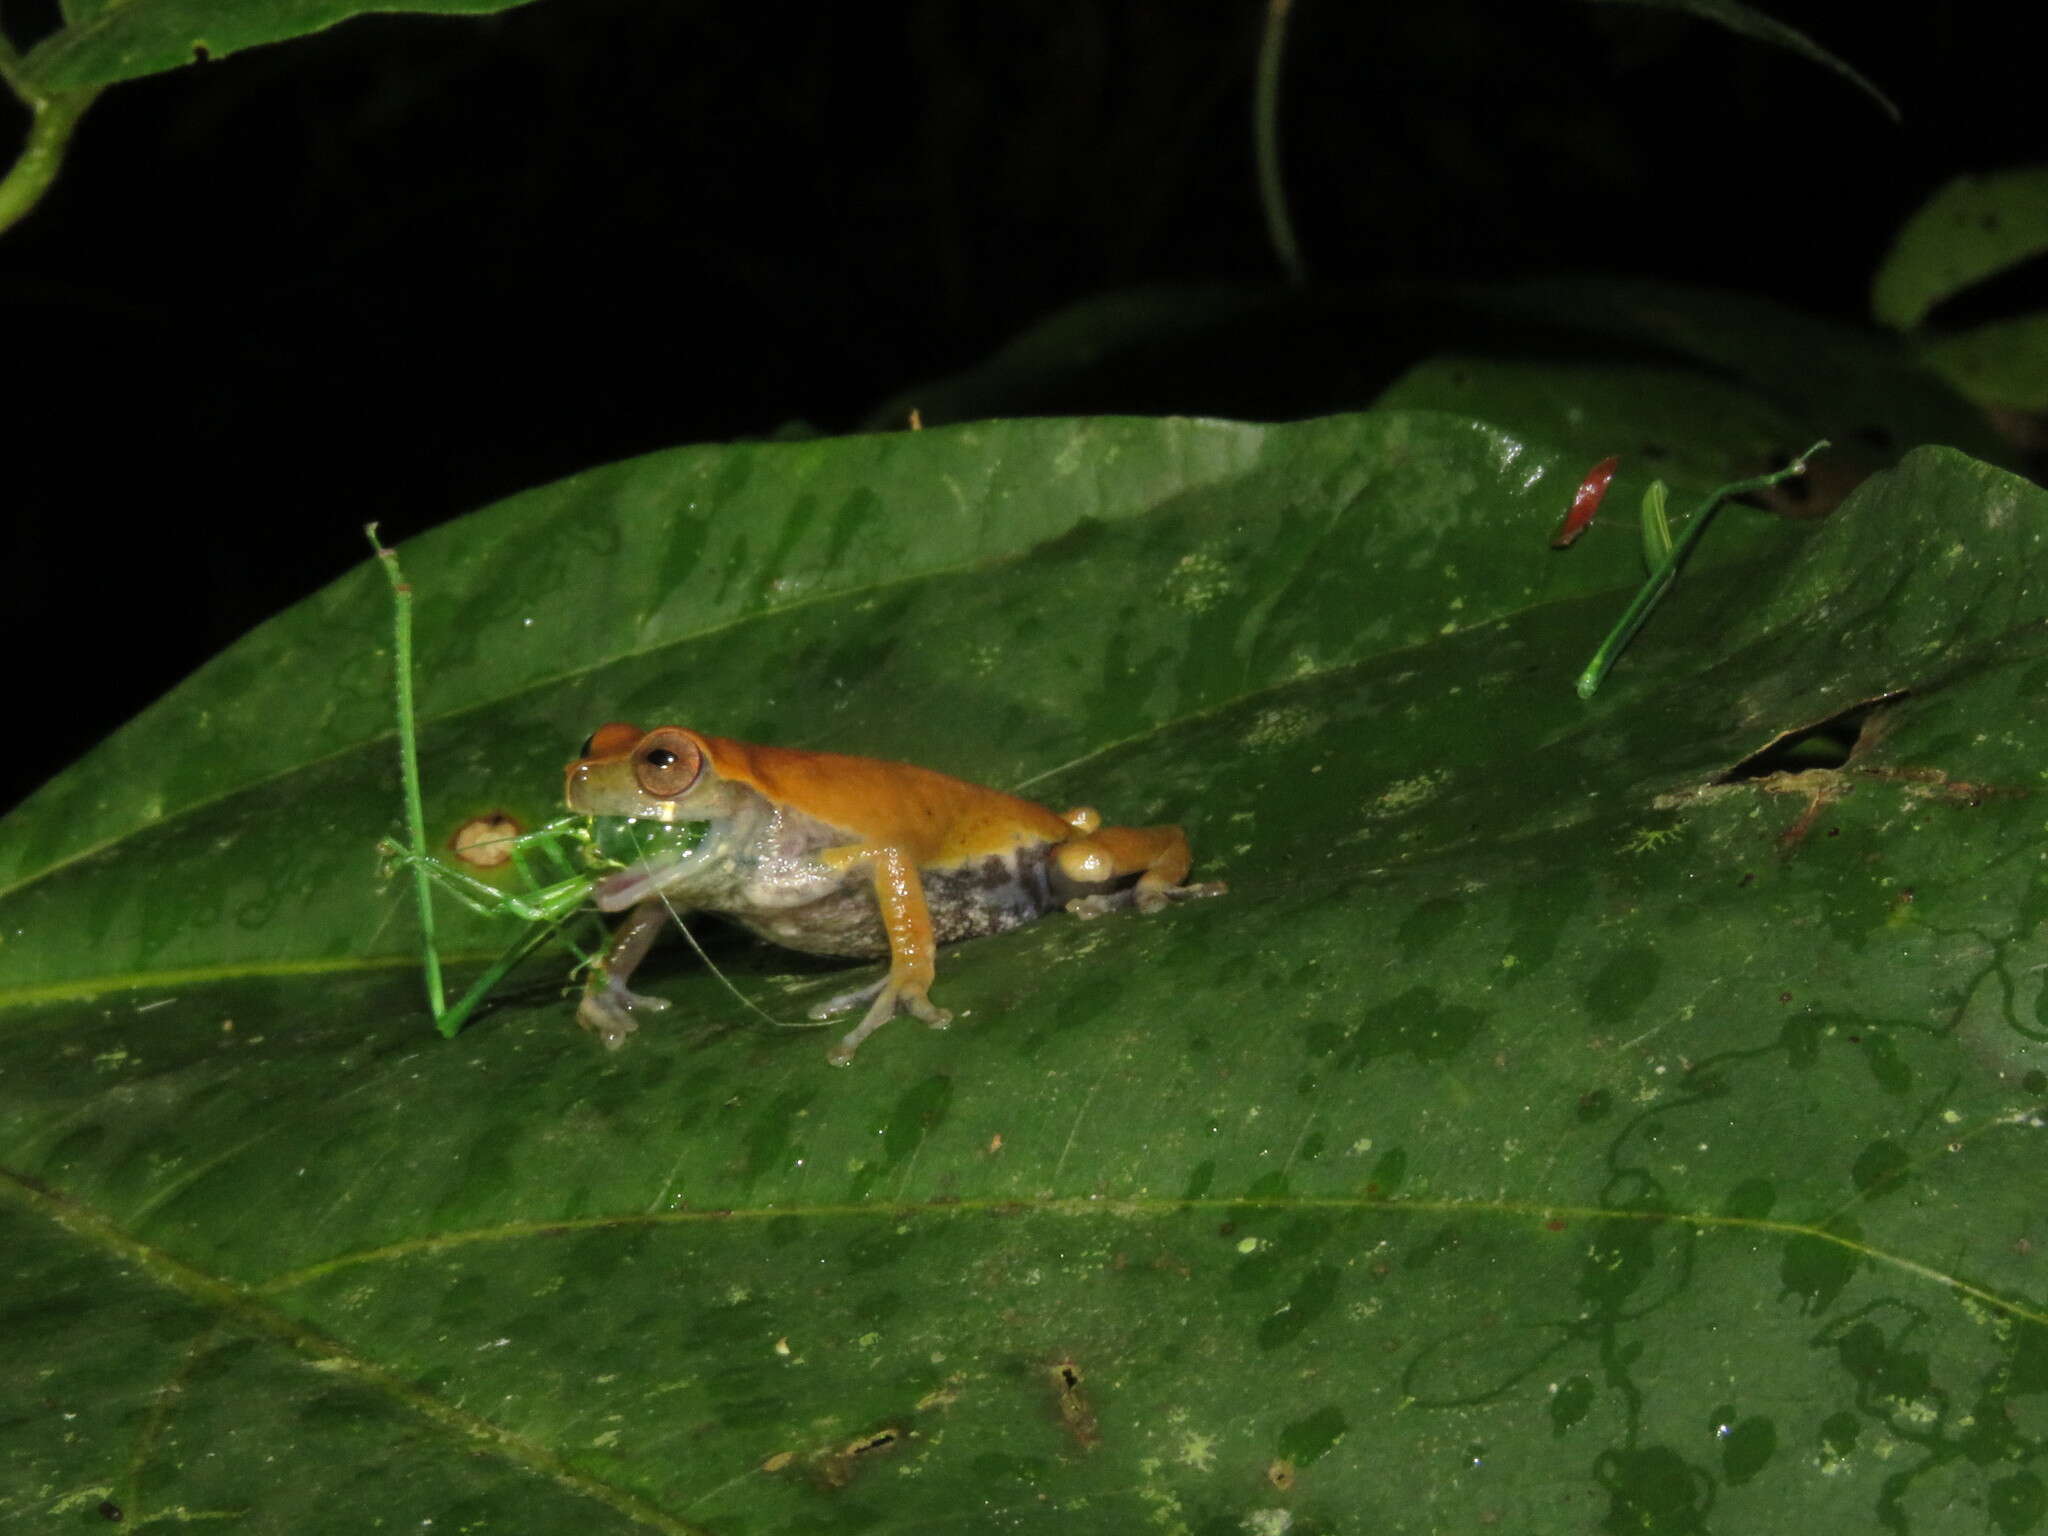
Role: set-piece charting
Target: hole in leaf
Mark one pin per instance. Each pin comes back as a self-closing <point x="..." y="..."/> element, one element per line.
<point x="1828" y="743"/>
<point x="1077" y="1414"/>
<point x="839" y="1469"/>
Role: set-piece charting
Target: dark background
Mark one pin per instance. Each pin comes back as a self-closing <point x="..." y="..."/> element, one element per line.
<point x="414" y="264"/>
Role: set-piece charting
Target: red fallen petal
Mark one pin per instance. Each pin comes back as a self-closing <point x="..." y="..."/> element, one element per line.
<point x="1585" y="503"/>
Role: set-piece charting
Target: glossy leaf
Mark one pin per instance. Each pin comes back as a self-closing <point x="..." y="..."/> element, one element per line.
<point x="1572" y="1119"/>
<point x="103" y="41"/>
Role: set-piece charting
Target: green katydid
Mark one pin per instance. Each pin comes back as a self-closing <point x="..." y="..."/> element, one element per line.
<point x="559" y="864"/>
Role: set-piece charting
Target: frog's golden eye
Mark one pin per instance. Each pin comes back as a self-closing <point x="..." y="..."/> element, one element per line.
<point x="613" y="740"/>
<point x="666" y="762"/>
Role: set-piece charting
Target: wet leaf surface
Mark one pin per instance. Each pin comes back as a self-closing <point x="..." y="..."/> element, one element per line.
<point x="1549" y="1131"/>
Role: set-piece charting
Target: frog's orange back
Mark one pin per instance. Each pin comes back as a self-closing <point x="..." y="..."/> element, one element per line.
<point x="934" y="817"/>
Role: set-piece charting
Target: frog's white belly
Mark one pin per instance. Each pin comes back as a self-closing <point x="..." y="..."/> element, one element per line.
<point x="762" y="870"/>
<point x="990" y="895"/>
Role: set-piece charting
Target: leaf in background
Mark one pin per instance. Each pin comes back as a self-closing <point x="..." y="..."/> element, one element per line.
<point x="103" y="41"/>
<point x="1687" y="426"/>
<point x="2002" y="365"/>
<point x="1572" y="1119"/>
<point x="1863" y="391"/>
<point x="1974" y="228"/>
<point x="1969" y="232"/>
<point x="1760" y="26"/>
<point x="1700" y="386"/>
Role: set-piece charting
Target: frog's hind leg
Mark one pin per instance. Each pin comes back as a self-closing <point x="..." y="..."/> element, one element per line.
<point x="912" y="948"/>
<point x="1158" y="856"/>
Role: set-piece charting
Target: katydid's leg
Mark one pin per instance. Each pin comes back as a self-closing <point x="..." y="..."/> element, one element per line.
<point x="538" y="905"/>
<point x="409" y="765"/>
<point x="607" y="1006"/>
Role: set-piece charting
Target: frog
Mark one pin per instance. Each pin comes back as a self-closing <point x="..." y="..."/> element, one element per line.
<point x="832" y="854"/>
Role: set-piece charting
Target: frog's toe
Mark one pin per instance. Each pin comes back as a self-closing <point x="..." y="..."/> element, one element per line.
<point x="611" y="1024"/>
<point x="1146" y="898"/>
<point x="846" y="1002"/>
<point x="608" y="1013"/>
<point x="890" y="998"/>
<point x="1107" y="901"/>
<point x="934" y="1016"/>
<point x="1157" y="898"/>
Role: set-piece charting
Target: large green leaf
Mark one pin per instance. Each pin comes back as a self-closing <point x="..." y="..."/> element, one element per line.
<point x="1551" y="1130"/>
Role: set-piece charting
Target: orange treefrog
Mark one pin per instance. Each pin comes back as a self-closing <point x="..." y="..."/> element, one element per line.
<point x="837" y="855"/>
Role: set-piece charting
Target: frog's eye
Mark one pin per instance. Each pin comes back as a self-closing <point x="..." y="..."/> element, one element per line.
<point x="666" y="762"/>
<point x="613" y="740"/>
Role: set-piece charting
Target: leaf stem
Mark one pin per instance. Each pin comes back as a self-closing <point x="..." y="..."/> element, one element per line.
<point x="449" y="1021"/>
<point x="52" y="116"/>
<point x="1659" y="583"/>
<point x="1266" y="142"/>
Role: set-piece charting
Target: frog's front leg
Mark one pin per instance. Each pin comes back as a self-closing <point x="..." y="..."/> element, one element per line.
<point x="607" y="1005"/>
<point x="1158" y="856"/>
<point x="899" y="892"/>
